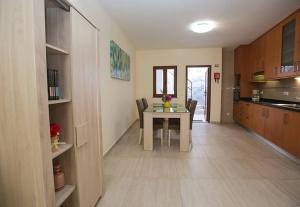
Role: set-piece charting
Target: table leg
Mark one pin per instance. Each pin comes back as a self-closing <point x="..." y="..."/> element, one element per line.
<point x="148" y="131"/>
<point x="184" y="132"/>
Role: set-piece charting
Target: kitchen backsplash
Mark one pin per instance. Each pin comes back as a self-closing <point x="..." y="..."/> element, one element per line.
<point x="286" y="89"/>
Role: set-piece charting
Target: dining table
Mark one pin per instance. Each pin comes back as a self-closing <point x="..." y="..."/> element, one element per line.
<point x="157" y="110"/>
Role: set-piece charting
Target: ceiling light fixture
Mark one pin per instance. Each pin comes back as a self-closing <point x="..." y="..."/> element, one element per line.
<point x="202" y="26"/>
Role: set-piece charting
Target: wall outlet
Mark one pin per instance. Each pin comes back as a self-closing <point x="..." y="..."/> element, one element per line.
<point x="227" y="114"/>
<point x="285" y="93"/>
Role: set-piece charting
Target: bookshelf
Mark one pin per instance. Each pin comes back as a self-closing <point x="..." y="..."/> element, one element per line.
<point x="61" y="149"/>
<point x="57" y="23"/>
<point x="63" y="194"/>
<point x="60" y="101"/>
<point x="53" y="50"/>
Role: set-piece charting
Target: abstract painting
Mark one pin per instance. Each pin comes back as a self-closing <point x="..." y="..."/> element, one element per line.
<point x="119" y="62"/>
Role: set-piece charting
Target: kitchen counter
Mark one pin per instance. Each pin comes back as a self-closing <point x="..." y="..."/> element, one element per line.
<point x="286" y="105"/>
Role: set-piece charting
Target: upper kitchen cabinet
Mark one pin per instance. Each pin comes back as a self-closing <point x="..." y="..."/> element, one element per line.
<point x="257" y="52"/>
<point x="272" y="55"/>
<point x="242" y="69"/>
<point x="276" y="53"/>
<point x="290" y="35"/>
<point x="241" y="54"/>
<point x="297" y="38"/>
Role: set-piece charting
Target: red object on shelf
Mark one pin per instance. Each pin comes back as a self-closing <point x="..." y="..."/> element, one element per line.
<point x="54" y="129"/>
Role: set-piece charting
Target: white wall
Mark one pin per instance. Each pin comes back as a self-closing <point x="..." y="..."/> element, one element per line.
<point x="227" y="88"/>
<point x="117" y="97"/>
<point x="146" y="59"/>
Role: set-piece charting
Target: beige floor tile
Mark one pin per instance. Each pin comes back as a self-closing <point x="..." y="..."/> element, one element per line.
<point x="227" y="167"/>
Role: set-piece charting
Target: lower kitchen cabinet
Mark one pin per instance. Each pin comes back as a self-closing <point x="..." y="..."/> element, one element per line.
<point x="273" y="128"/>
<point x="291" y="133"/>
<point x="258" y="117"/>
<point x="279" y="126"/>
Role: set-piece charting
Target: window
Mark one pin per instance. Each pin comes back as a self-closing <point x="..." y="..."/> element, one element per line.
<point x="164" y="81"/>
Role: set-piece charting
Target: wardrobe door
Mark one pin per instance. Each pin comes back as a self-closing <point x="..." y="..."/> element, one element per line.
<point x="85" y="109"/>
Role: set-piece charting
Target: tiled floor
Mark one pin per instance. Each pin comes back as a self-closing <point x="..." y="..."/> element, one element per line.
<point x="226" y="167"/>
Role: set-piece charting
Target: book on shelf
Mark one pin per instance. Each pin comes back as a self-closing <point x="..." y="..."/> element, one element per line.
<point x="53" y="86"/>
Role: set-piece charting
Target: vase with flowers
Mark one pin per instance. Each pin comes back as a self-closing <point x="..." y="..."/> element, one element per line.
<point x="167" y="100"/>
<point x="54" y="132"/>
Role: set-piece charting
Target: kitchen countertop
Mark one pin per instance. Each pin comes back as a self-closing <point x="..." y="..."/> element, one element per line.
<point x="286" y="105"/>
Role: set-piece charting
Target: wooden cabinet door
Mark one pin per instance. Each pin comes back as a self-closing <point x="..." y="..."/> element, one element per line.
<point x="247" y="115"/>
<point x="274" y="125"/>
<point x="297" y="39"/>
<point x="235" y="111"/>
<point x="273" y="52"/>
<point x="291" y="133"/>
<point x="85" y="109"/>
<point x="258" y="123"/>
<point x="257" y="54"/>
<point x="242" y="54"/>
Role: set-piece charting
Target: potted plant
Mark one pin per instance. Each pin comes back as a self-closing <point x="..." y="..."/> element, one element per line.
<point x="167" y="100"/>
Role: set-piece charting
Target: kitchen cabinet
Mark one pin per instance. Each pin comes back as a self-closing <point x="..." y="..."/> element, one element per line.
<point x="244" y="111"/>
<point x="297" y="39"/>
<point x="276" y="53"/>
<point x="290" y="43"/>
<point x="291" y="133"/>
<point x="258" y="116"/>
<point x="273" y="126"/>
<point x="257" y="55"/>
<point x="278" y="126"/>
<point x="272" y="52"/>
<point x="241" y="68"/>
<point x="235" y="111"/>
<point x="241" y="59"/>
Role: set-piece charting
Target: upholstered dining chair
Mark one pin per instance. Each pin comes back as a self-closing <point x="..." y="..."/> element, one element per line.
<point x="156" y="124"/>
<point x="145" y="102"/>
<point x="188" y="103"/>
<point x="174" y="124"/>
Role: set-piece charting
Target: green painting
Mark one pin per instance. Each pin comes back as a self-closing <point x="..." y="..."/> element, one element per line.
<point x="119" y="62"/>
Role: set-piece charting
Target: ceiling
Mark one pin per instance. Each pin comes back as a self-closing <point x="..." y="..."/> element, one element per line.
<point x="164" y="24"/>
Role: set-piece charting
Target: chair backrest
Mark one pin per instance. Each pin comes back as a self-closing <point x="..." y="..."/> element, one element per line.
<point x="145" y="102"/>
<point x="192" y="110"/>
<point x="188" y="103"/>
<point x="140" y="107"/>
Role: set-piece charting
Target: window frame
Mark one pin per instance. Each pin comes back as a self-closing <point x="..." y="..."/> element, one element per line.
<point x="165" y="80"/>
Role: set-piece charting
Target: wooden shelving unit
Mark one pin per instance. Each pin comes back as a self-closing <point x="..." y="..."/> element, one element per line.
<point x="61" y="149"/>
<point x="63" y="194"/>
<point x="60" y="111"/>
<point x="60" y="101"/>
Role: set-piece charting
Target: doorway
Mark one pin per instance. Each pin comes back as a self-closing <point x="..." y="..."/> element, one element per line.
<point x="198" y="88"/>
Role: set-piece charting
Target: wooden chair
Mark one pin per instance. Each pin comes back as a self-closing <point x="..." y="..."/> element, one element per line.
<point x="188" y="103"/>
<point x="192" y="110"/>
<point x="174" y="124"/>
<point x="156" y="124"/>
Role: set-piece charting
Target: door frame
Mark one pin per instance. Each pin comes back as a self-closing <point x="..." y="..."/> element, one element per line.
<point x="208" y="95"/>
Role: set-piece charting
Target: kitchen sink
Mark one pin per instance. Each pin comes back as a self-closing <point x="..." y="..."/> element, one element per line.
<point x="297" y="106"/>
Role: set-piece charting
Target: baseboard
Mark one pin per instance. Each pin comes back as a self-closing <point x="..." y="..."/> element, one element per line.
<point x="117" y="140"/>
<point x="275" y="147"/>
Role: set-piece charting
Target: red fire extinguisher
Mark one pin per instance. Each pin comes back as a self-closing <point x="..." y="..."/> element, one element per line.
<point x="217" y="77"/>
